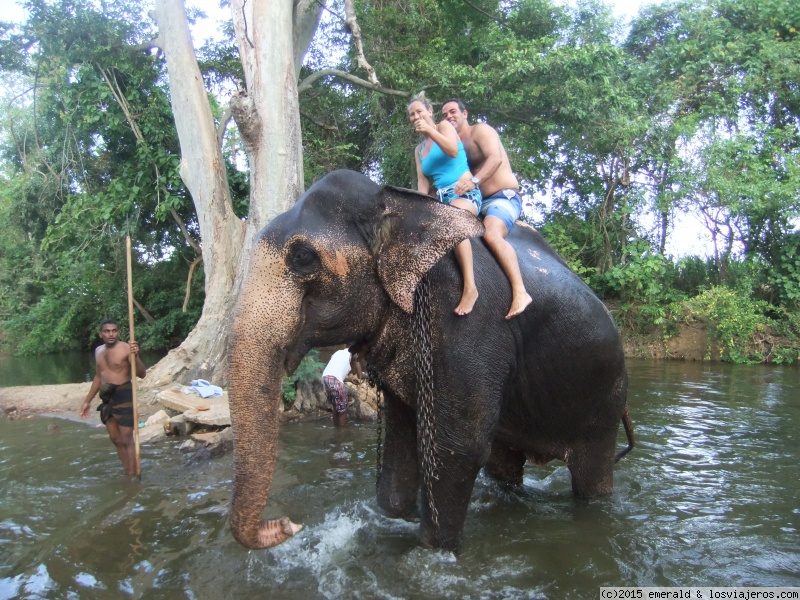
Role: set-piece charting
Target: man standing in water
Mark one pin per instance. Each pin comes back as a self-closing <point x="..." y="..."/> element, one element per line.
<point x="502" y="204"/>
<point x="333" y="378"/>
<point x="113" y="380"/>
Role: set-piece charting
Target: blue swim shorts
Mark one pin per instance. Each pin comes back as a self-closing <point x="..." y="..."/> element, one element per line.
<point x="506" y="205"/>
<point x="447" y="194"/>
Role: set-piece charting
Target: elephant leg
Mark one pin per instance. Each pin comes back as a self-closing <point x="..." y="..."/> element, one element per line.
<point x="399" y="481"/>
<point x="505" y="465"/>
<point x="591" y="465"/>
<point x="451" y="495"/>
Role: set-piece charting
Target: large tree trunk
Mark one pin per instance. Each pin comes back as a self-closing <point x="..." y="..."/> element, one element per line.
<point x="273" y="37"/>
<point x="268" y="111"/>
<point x="203" y="171"/>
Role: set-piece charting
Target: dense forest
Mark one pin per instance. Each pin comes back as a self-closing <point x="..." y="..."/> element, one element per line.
<point x="620" y="133"/>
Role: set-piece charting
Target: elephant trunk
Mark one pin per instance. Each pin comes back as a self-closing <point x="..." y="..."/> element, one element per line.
<point x="257" y="366"/>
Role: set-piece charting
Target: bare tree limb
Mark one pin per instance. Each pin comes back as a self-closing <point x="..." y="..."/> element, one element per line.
<point x="36" y="131"/>
<point x="111" y="82"/>
<point x="20" y="144"/>
<point x="490" y="16"/>
<point x="224" y="119"/>
<point x="147" y="316"/>
<point x="305" y="85"/>
<point x="306" y="18"/>
<point x="244" y="20"/>
<point x="189" y="282"/>
<point x="182" y="225"/>
<point x="319" y="124"/>
<point x="355" y="30"/>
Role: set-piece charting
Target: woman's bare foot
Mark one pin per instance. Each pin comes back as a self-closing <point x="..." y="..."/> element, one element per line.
<point x="519" y="303"/>
<point x="468" y="299"/>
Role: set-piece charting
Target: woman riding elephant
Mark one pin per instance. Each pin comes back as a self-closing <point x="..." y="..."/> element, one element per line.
<point x="342" y="266"/>
<point x="441" y="157"/>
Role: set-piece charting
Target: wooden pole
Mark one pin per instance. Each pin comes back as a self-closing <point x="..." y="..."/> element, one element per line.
<point x="134" y="384"/>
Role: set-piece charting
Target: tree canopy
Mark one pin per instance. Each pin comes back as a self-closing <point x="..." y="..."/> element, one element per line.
<point x="617" y="132"/>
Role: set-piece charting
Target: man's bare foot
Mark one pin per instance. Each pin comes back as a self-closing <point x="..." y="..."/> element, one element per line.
<point x="468" y="299"/>
<point x="518" y="304"/>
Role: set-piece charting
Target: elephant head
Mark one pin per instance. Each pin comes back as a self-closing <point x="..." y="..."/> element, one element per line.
<point x="325" y="272"/>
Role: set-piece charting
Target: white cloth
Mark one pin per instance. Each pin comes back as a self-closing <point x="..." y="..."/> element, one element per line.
<point x="203" y="388"/>
<point x="338" y="365"/>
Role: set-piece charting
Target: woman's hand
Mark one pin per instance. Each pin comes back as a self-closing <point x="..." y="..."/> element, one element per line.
<point x="464" y="184"/>
<point x="422" y="126"/>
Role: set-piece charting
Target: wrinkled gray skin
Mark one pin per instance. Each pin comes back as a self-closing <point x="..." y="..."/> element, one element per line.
<point x="341" y="267"/>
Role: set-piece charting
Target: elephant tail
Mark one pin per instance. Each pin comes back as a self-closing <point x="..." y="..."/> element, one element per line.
<point x="628" y="425"/>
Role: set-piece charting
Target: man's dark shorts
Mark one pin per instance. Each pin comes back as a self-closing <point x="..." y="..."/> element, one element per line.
<point x="117" y="403"/>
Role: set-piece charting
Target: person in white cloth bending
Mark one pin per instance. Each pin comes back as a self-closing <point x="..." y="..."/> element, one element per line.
<point x="333" y="377"/>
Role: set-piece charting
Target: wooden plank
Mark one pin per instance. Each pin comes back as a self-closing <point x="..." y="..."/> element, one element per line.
<point x="177" y="400"/>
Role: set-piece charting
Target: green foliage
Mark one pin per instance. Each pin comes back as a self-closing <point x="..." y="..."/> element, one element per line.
<point x="694" y="109"/>
<point x="309" y="369"/>
<point x="90" y="151"/>
<point x="646" y="292"/>
<point x="784" y="273"/>
<point x="736" y="324"/>
<point x="561" y="237"/>
<point x="695" y="274"/>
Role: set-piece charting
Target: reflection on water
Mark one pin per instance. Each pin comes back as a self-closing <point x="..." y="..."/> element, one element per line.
<point x="74" y="366"/>
<point x="708" y="497"/>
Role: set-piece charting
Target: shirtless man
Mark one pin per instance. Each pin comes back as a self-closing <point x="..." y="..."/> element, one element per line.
<point x="113" y="381"/>
<point x="502" y="205"/>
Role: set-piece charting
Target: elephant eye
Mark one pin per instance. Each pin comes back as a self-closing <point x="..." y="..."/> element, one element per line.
<point x="302" y="258"/>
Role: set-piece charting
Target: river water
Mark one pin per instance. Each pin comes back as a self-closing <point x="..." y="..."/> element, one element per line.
<point x="72" y="366"/>
<point x="709" y="497"/>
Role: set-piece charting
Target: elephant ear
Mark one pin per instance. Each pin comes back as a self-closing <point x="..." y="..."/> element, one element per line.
<point x="414" y="232"/>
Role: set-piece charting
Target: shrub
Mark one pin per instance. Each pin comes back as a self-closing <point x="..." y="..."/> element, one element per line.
<point x="309" y="369"/>
<point x="648" y="298"/>
<point x="736" y="324"/>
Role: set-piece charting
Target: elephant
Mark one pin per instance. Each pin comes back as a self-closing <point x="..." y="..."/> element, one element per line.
<point x="341" y="267"/>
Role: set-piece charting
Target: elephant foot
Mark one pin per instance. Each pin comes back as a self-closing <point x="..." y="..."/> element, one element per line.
<point x="437" y="542"/>
<point x="505" y="465"/>
<point x="592" y="470"/>
<point x="399" y="506"/>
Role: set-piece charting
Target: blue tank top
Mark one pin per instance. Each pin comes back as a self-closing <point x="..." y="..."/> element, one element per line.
<point x="443" y="169"/>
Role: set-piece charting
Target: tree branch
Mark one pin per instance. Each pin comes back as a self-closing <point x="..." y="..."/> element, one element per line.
<point x="122" y="101"/>
<point x="182" y="225"/>
<point x="319" y="124"/>
<point x="224" y="119"/>
<point x="490" y="16"/>
<point x="189" y="282"/>
<point x="147" y="316"/>
<point x="305" y="85"/>
<point x="36" y="130"/>
<point x="355" y="30"/>
<point x="306" y="18"/>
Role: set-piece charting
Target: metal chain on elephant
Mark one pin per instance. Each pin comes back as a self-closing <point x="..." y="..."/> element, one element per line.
<point x="423" y="366"/>
<point x="375" y="381"/>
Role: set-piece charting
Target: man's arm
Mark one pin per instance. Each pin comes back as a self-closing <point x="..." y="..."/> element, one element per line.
<point x="355" y="367"/>
<point x="487" y="140"/>
<point x="84" y="409"/>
